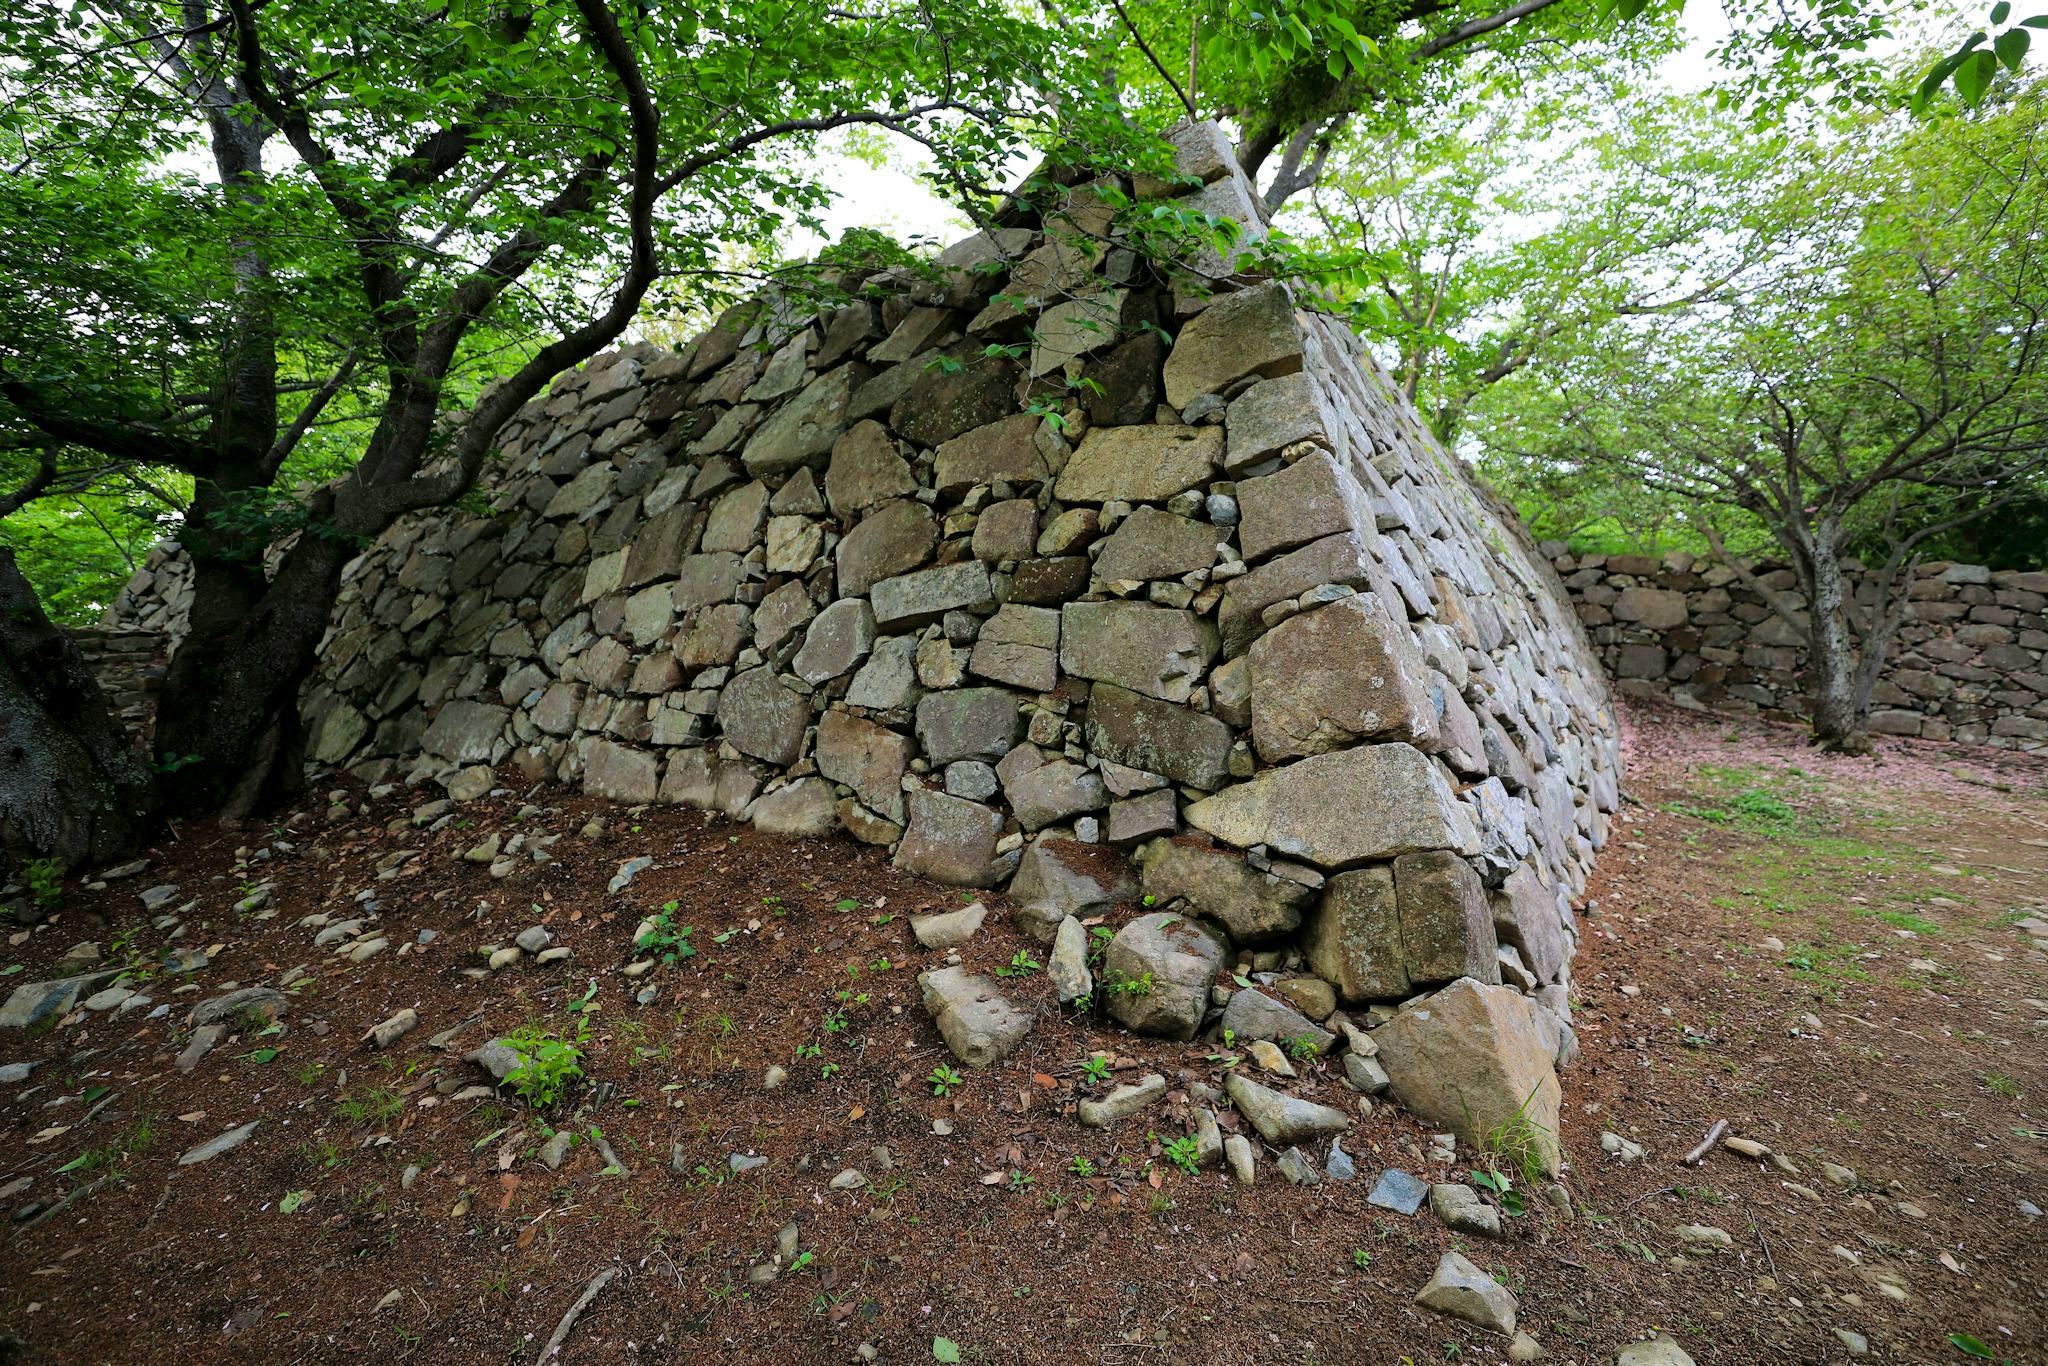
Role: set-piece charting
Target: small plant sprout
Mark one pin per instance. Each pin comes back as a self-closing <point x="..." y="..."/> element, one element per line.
<point x="549" y="1063"/>
<point x="1081" y="1166"/>
<point x="1303" y="1046"/>
<point x="663" y="939"/>
<point x="1360" y="1258"/>
<point x="1185" y="1153"/>
<point x="1095" y="1070"/>
<point x="945" y="1081"/>
<point x="1021" y="964"/>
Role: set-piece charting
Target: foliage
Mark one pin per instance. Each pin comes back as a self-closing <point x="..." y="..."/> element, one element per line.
<point x="662" y="937"/>
<point x="944" y="1080"/>
<point x="549" y="1063"/>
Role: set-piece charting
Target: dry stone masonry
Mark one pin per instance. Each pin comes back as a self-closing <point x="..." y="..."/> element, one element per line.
<point x="1234" y="636"/>
<point x="1970" y="662"/>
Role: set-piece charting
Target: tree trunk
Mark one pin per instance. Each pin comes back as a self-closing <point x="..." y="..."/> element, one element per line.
<point x="1841" y="710"/>
<point x="72" y="785"/>
<point x="231" y="695"/>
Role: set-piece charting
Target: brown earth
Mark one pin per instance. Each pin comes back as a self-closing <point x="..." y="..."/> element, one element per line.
<point x="1819" y="951"/>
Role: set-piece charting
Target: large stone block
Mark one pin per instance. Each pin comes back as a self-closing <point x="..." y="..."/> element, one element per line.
<point x="867" y="757"/>
<point x="1255" y="906"/>
<point x="909" y="601"/>
<point x="896" y="537"/>
<point x="838" y="640"/>
<point x="1446" y="926"/>
<point x="1525" y="914"/>
<point x="1343" y="559"/>
<point x="762" y="718"/>
<point x="1275" y="414"/>
<point x="941" y="403"/>
<point x="1005" y="450"/>
<point x="1342" y="809"/>
<point x="465" y="732"/>
<point x="1659" y="609"/>
<point x="1337" y="675"/>
<point x="1019" y="646"/>
<point x="1251" y="332"/>
<point x="950" y="840"/>
<point x="975" y="1019"/>
<point x="1310" y="499"/>
<point x="1158" y="969"/>
<point x="1473" y="1057"/>
<point x="702" y="580"/>
<point x="1353" y="940"/>
<point x="803" y="429"/>
<point x="1176" y="742"/>
<point x="1054" y="792"/>
<point x="1159" y="651"/>
<point x="736" y="519"/>
<point x="968" y="723"/>
<point x="1139" y="464"/>
<point x="1058" y="878"/>
<point x="620" y="773"/>
<point x="1151" y="544"/>
<point x="865" y="470"/>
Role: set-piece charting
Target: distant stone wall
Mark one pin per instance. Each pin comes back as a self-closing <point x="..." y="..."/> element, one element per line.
<point x="1237" y="613"/>
<point x="1970" y="662"/>
<point x="129" y="663"/>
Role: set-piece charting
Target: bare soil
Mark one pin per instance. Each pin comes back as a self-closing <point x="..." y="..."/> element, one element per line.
<point x="1819" y="951"/>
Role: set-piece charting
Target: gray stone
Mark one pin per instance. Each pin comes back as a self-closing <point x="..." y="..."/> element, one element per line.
<point x="1281" y="1119"/>
<point x="839" y="638"/>
<point x="202" y="1042"/>
<point x="1274" y="415"/>
<point x="909" y="601"/>
<point x="1354" y="938"/>
<point x="264" y="1002"/>
<point x="1150" y="544"/>
<point x="227" y="1142"/>
<point x="972" y="779"/>
<point x="802" y="809"/>
<point x="1340" y="559"/>
<point x="1471" y="1058"/>
<point x="1122" y="1103"/>
<point x="805" y="428"/>
<point x="1067" y="966"/>
<point x="762" y="718"/>
<point x="1254" y="906"/>
<point x="1157" y="971"/>
<point x="865" y="470"/>
<point x="1134" y="820"/>
<point x="948" y="929"/>
<point x="1019" y="646"/>
<point x="1161" y="652"/>
<point x="1055" y="792"/>
<point x="34" y="1002"/>
<point x="977" y="1022"/>
<point x="1252" y="1014"/>
<point x="1336" y="810"/>
<point x="1175" y="742"/>
<point x="950" y="840"/>
<point x="1252" y="332"/>
<point x="1238" y="1153"/>
<point x="1005" y="451"/>
<point x="1446" y="927"/>
<point x="1655" y="609"/>
<point x="1525" y="915"/>
<point x="968" y="723"/>
<point x="895" y="537"/>
<point x="1310" y="499"/>
<point x="465" y="732"/>
<point x="620" y="773"/>
<point x="888" y="681"/>
<point x="1061" y="878"/>
<point x="940" y="403"/>
<point x="867" y="757"/>
<point x="1657" y="1351"/>
<point x="1332" y="677"/>
<point x="736" y="520"/>
<point x="1462" y="1291"/>
<point x="1461" y="1210"/>
<point x="1139" y="464"/>
<point x="1006" y="531"/>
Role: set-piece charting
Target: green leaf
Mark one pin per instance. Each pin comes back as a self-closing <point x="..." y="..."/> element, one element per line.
<point x="945" y="1349"/>
<point x="83" y="1159"/>
<point x="292" y="1200"/>
<point x="1969" y="1345"/>
<point x="2038" y="21"/>
<point x="2011" y="47"/>
<point x="2000" y="10"/>
<point x="1973" y="77"/>
<point x="261" y="1055"/>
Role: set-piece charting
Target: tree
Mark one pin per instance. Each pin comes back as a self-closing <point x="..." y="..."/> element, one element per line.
<point x="1884" y="385"/>
<point x="229" y="223"/>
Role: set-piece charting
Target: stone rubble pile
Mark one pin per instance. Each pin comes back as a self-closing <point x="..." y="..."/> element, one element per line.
<point x="1970" y="662"/>
<point x="1231" y="612"/>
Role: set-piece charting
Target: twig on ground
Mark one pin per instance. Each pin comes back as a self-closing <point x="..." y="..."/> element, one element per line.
<point x="1706" y="1145"/>
<point x="590" y="1292"/>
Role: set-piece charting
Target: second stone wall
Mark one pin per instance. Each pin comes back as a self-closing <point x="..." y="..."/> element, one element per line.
<point x="1970" y="662"/>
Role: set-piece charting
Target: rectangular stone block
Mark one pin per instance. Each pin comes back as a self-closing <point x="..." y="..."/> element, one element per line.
<point x="1173" y="741"/>
<point x="1345" y="559"/>
<point x="1159" y="651"/>
<point x="1310" y="499"/>
<point x="917" y="599"/>
<point x="1020" y="646"/>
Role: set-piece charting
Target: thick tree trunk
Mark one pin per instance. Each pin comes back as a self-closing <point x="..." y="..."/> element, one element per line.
<point x="1841" y="710"/>
<point x="72" y="785"/>
<point x="231" y="695"/>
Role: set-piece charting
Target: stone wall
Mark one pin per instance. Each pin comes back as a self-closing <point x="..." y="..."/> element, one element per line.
<point x="1968" y="663"/>
<point x="129" y="663"/>
<point x="1237" y="613"/>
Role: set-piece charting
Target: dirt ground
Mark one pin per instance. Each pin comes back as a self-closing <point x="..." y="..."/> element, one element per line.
<point x="1822" y="952"/>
